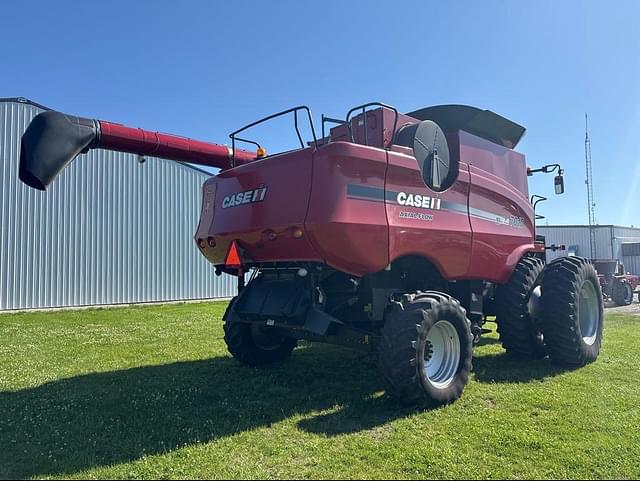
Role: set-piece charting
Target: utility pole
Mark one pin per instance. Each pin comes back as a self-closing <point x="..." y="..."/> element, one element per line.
<point x="591" y="205"/>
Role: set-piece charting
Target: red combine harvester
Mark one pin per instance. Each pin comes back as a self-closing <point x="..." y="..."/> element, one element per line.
<point x="399" y="232"/>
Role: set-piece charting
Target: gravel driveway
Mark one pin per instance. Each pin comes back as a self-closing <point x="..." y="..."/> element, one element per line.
<point x="633" y="308"/>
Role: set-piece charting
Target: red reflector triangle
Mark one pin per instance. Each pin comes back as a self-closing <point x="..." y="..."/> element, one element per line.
<point x="233" y="256"/>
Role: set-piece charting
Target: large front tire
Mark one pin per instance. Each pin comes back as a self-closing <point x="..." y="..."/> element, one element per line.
<point x="572" y="316"/>
<point x="516" y="303"/>
<point x="426" y="350"/>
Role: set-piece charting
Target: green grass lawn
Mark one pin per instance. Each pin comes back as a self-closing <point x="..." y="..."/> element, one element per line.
<point x="150" y="392"/>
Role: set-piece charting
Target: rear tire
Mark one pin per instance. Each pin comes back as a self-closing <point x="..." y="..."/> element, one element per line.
<point x="255" y="344"/>
<point x="572" y="314"/>
<point x="426" y="349"/>
<point x="519" y="334"/>
<point x="622" y="293"/>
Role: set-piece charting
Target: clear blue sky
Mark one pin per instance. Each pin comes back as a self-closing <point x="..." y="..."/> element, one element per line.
<point x="202" y="69"/>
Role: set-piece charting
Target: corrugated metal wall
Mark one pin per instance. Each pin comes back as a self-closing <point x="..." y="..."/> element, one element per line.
<point x="109" y="230"/>
<point x="577" y="236"/>
<point x="623" y="235"/>
<point x="632" y="264"/>
<point x="609" y="240"/>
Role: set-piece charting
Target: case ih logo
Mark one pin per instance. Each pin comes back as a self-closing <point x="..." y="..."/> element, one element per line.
<point x="417" y="200"/>
<point x="246" y="197"/>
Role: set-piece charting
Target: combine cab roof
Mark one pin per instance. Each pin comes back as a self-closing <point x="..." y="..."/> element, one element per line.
<point x="483" y="123"/>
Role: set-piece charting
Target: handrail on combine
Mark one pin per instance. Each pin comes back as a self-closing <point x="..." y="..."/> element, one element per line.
<point x="363" y="107"/>
<point x="295" y="110"/>
<point x="535" y="200"/>
<point x="325" y="120"/>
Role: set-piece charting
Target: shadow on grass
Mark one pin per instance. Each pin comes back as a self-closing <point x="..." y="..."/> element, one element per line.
<point x="99" y="419"/>
<point x="502" y="368"/>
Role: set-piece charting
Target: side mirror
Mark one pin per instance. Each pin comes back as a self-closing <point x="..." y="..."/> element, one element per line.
<point x="559" y="184"/>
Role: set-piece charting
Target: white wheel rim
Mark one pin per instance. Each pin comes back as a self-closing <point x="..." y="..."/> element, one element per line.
<point x="588" y="313"/>
<point x="442" y="354"/>
<point x="533" y="306"/>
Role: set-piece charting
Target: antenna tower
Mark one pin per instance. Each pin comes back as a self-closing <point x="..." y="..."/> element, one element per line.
<point x="589" y="181"/>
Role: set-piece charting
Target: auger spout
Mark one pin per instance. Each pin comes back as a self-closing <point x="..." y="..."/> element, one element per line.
<point x="54" y="139"/>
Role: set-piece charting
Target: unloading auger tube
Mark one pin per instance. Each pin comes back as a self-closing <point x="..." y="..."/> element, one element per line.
<point x="54" y="139"/>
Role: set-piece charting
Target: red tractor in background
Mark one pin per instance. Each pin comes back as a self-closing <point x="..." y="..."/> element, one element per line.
<point x="397" y="232"/>
<point x="616" y="285"/>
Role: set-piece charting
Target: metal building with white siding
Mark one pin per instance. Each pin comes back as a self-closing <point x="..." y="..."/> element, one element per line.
<point x="109" y="230"/>
<point x="612" y="242"/>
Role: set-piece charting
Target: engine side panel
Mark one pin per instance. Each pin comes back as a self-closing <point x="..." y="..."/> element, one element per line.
<point x="501" y="215"/>
<point x="424" y="222"/>
<point x="347" y="226"/>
